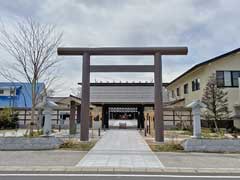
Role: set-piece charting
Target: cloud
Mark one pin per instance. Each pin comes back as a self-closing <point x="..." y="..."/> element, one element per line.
<point x="23" y="8"/>
<point x="208" y="28"/>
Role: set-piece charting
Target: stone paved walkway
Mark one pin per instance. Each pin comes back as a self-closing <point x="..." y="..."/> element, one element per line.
<point x="121" y="149"/>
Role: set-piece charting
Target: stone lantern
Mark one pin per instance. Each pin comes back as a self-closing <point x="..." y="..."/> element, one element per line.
<point x="47" y="106"/>
<point x="196" y="106"/>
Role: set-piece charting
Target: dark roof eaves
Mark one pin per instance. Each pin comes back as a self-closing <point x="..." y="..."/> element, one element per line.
<point x="122" y="84"/>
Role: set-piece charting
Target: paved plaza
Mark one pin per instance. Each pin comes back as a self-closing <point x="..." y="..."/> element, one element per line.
<point x="199" y="160"/>
<point x="121" y="148"/>
<point x="40" y="158"/>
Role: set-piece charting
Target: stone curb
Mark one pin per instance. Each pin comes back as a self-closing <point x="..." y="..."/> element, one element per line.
<point x="72" y="169"/>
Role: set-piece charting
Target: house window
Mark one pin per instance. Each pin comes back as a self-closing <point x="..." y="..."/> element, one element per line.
<point x="235" y="76"/>
<point x="196" y="84"/>
<point x="185" y="88"/>
<point x="220" y="78"/>
<point x="1" y="91"/>
<point x="173" y="94"/>
<point x="227" y="78"/>
<point x="193" y="86"/>
<point x="178" y="91"/>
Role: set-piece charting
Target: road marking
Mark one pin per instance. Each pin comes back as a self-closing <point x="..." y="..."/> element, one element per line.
<point x="117" y="175"/>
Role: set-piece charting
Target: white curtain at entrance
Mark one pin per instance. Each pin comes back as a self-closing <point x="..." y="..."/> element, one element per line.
<point x="115" y="122"/>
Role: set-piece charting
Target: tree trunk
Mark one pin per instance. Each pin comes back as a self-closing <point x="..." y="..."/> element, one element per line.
<point x="33" y="123"/>
<point x="216" y="126"/>
<point x="40" y="119"/>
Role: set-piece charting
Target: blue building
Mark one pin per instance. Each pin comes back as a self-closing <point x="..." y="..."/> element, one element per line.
<point x="17" y="94"/>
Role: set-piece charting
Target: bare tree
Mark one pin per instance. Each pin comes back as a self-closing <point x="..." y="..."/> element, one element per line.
<point x="183" y="122"/>
<point x="33" y="48"/>
<point x="77" y="91"/>
<point x="216" y="100"/>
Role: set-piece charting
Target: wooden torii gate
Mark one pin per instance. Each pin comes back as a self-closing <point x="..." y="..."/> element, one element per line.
<point x="157" y="52"/>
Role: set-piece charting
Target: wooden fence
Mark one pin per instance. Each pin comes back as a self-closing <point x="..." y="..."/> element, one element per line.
<point x="177" y="117"/>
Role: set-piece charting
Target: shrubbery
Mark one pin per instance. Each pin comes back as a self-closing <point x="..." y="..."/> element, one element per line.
<point x="8" y="119"/>
<point x="166" y="147"/>
<point x="34" y="134"/>
<point x="78" y="146"/>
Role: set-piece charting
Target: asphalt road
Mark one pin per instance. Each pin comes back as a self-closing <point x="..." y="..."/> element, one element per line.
<point x="110" y="177"/>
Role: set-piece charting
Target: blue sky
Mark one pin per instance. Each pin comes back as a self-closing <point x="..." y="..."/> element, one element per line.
<point x="208" y="27"/>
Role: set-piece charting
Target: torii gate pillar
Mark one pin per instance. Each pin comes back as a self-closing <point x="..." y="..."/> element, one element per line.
<point x="158" y="101"/>
<point x="84" y="132"/>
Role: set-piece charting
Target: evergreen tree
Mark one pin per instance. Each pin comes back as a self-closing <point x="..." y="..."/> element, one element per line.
<point x="216" y="101"/>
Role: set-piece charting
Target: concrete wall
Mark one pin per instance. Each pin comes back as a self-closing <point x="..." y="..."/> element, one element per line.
<point x="22" y="143"/>
<point x="212" y="145"/>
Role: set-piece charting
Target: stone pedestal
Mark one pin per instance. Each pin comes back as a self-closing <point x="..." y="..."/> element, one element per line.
<point x="47" y="128"/>
<point x="196" y="112"/>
